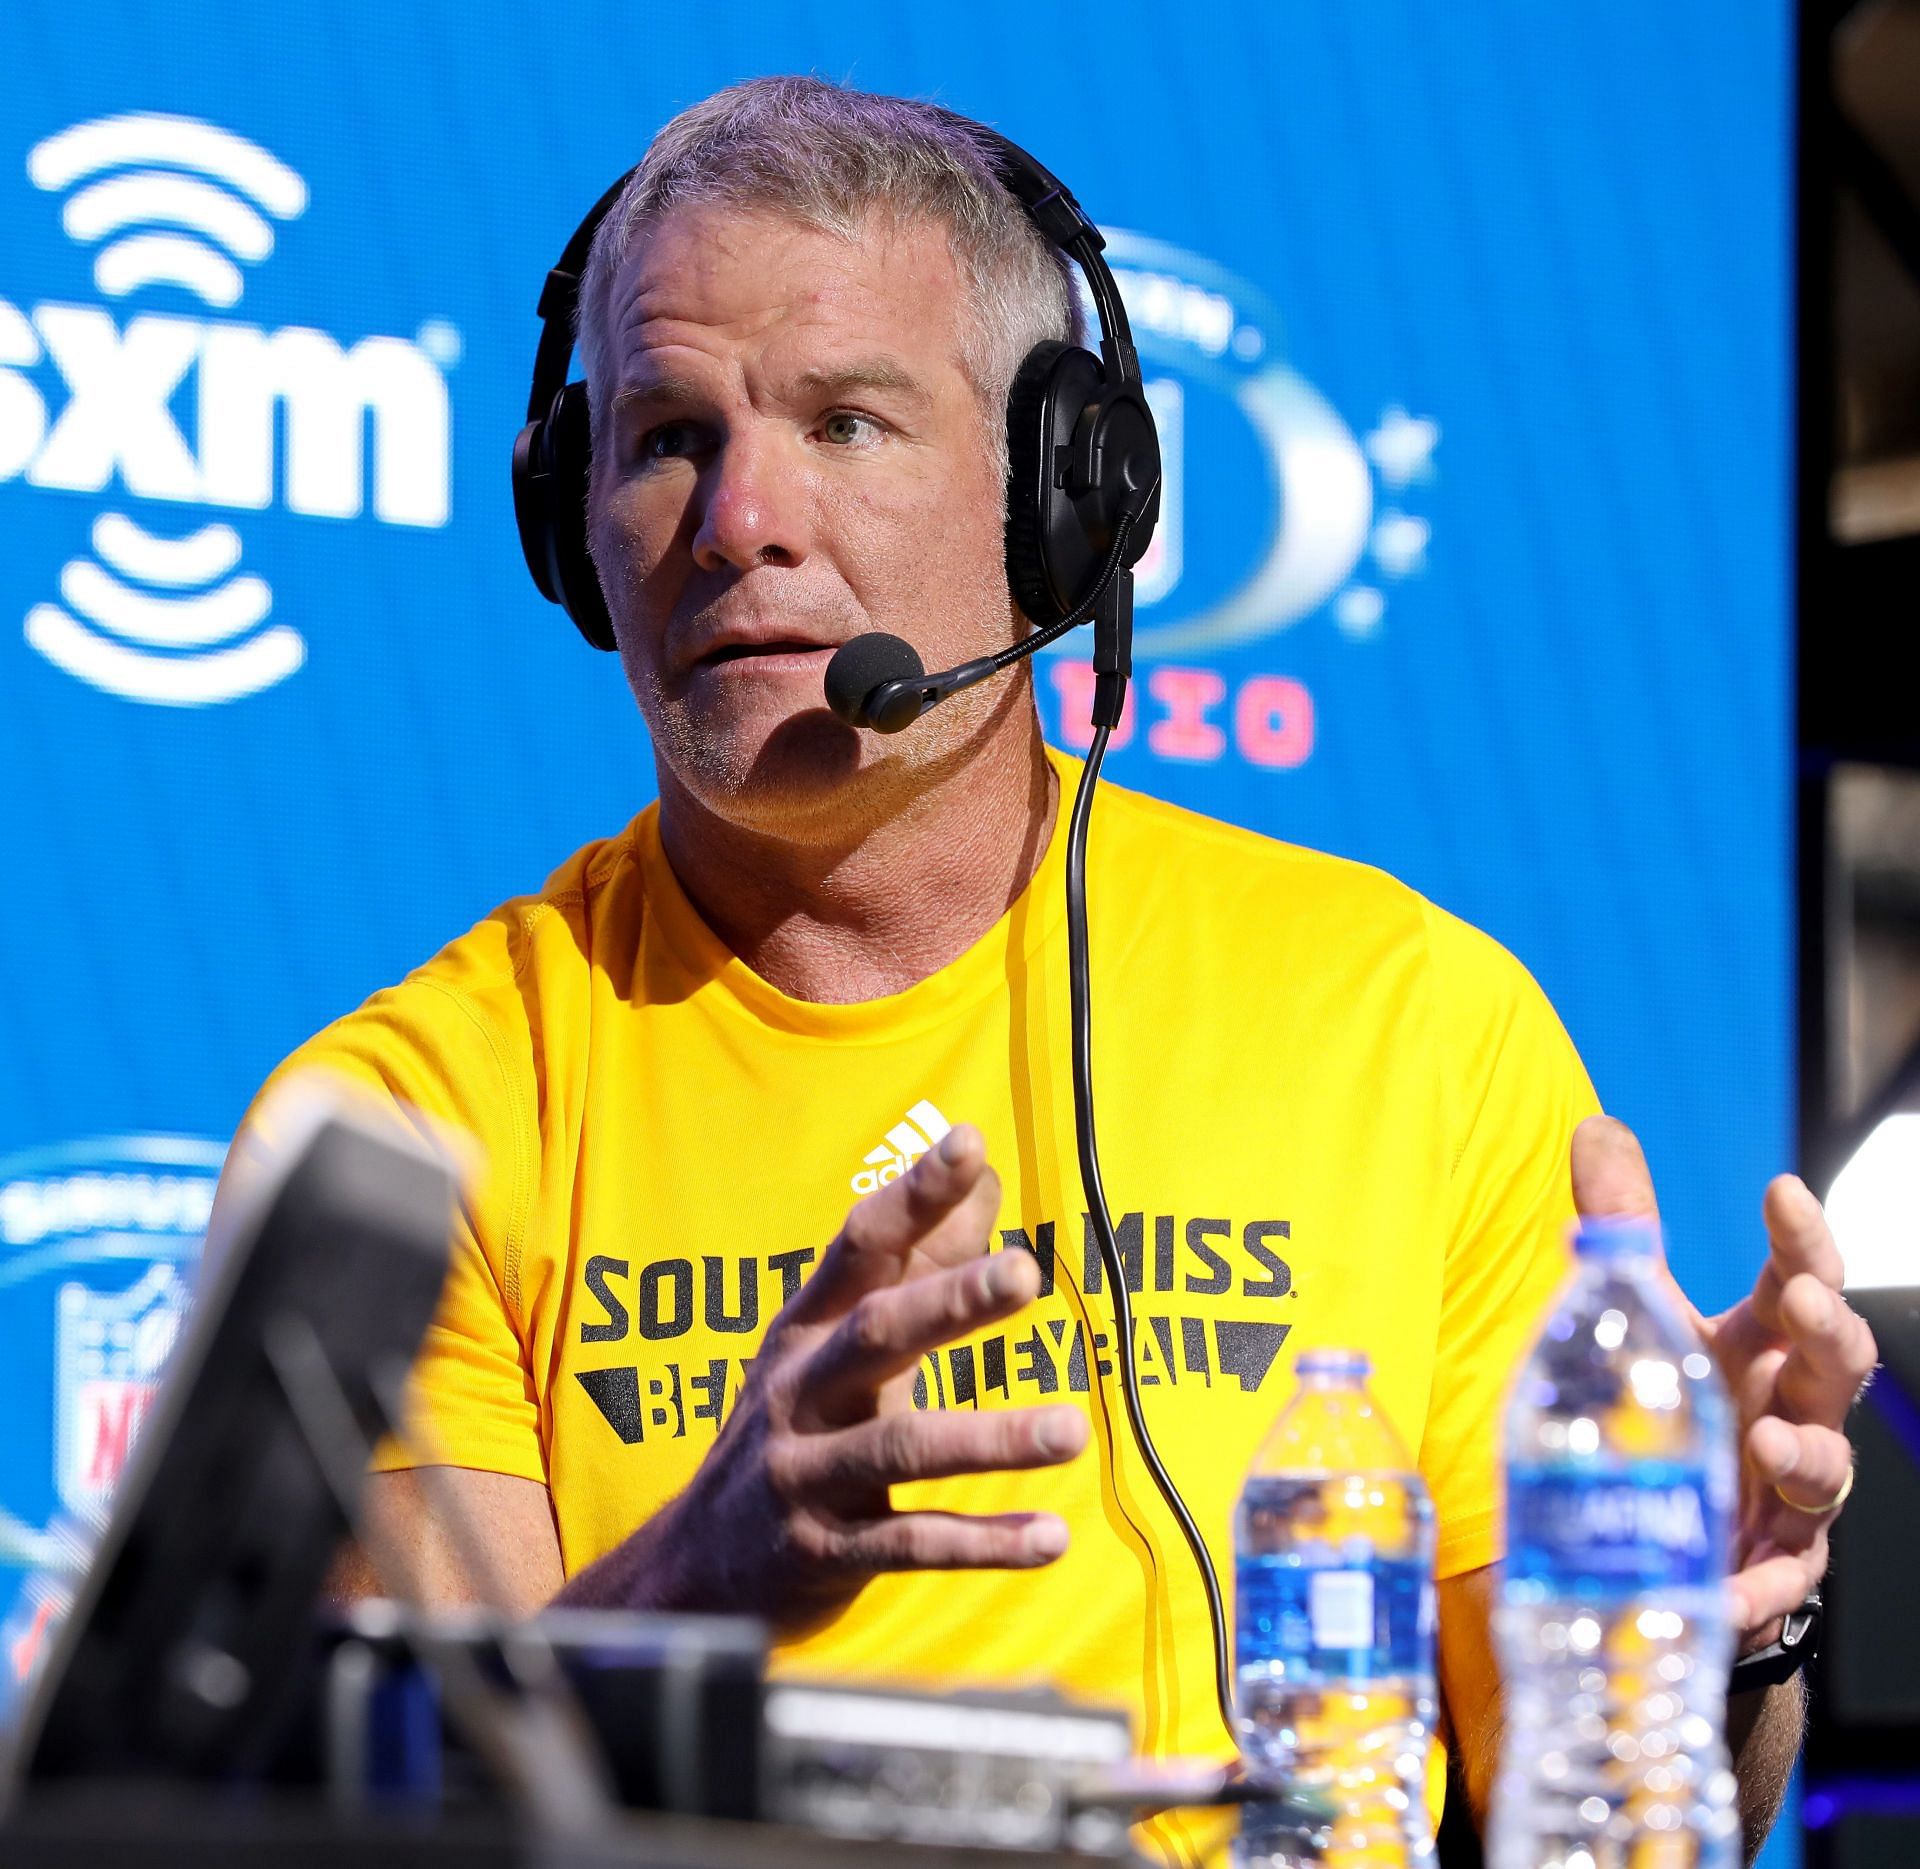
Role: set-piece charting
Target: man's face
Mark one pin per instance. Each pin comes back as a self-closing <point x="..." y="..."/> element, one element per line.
<point x="793" y="456"/>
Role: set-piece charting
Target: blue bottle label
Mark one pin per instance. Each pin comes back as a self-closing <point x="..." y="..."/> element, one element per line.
<point x="1346" y="1617"/>
<point x="1612" y="1532"/>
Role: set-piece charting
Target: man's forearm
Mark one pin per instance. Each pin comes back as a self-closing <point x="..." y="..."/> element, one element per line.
<point x="647" y="1571"/>
<point x="1763" y="1734"/>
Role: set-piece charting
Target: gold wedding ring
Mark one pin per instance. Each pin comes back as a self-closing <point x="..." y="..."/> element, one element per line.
<point x="1833" y="1505"/>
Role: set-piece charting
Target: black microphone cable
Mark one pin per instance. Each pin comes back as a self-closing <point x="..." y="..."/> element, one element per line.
<point x="1080" y="1001"/>
<point x="870" y="690"/>
<point x="1102" y="583"/>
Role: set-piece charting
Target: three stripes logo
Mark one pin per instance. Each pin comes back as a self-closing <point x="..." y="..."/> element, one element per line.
<point x="905" y="1143"/>
<point x="173" y="205"/>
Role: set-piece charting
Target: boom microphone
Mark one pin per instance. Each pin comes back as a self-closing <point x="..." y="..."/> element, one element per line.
<point x="879" y="681"/>
<point x="863" y="665"/>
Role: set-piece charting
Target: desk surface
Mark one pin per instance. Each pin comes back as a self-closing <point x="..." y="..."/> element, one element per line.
<point x="87" y="1826"/>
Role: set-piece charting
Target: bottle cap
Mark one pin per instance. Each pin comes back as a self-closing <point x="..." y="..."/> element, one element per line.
<point x="1617" y="1236"/>
<point x="1333" y="1363"/>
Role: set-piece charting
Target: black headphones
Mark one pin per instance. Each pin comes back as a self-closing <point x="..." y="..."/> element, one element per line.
<point x="1081" y="445"/>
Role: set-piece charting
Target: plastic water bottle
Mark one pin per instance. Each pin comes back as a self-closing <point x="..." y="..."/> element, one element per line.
<point x="1334" y="1697"/>
<point x="1612" y="1624"/>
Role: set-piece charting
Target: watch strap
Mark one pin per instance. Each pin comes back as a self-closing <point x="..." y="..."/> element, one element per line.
<point x="1781" y="1660"/>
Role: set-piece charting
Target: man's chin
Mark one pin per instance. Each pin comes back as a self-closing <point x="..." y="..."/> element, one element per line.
<point x="762" y="771"/>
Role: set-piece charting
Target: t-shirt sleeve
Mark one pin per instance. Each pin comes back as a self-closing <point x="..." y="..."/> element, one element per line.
<point x="1514" y="1091"/>
<point x="426" y="1051"/>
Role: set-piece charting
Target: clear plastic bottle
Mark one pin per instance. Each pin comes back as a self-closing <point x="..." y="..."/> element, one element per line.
<point x="1612" y="1623"/>
<point x="1334" y="1695"/>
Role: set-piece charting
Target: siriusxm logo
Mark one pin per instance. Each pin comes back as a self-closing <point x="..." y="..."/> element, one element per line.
<point x="166" y="617"/>
<point x="1328" y="512"/>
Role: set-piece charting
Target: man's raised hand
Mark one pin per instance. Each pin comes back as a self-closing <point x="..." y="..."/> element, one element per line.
<point x="790" y="1512"/>
<point x="1794" y="1357"/>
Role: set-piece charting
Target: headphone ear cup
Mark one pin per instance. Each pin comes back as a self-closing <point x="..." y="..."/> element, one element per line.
<point x="552" y="463"/>
<point x="1052" y="556"/>
<point x="580" y="593"/>
<point x="1030" y="438"/>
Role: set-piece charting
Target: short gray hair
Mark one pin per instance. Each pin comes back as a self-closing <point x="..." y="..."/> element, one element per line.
<point x="831" y="157"/>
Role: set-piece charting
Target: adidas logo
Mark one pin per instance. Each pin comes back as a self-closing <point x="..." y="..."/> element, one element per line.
<point x="906" y="1142"/>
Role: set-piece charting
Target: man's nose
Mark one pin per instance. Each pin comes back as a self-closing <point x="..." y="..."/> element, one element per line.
<point x="753" y="508"/>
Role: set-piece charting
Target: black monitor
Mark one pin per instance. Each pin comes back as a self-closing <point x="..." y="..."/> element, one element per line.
<point x="188" y="1638"/>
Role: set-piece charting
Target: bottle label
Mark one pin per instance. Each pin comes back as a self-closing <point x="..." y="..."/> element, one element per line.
<point x="1335" y="1620"/>
<point x="1616" y="1533"/>
<point x="1340" y="1608"/>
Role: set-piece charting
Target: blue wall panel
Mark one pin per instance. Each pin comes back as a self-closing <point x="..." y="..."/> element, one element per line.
<point x="1469" y="329"/>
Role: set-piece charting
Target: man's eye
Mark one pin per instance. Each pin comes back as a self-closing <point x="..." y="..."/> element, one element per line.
<point x="846" y="429"/>
<point x="667" y="441"/>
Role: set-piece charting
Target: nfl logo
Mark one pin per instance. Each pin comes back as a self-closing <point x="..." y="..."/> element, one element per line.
<point x="111" y="1349"/>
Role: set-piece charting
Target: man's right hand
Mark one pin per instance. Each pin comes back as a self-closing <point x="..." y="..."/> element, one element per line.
<point x="790" y="1514"/>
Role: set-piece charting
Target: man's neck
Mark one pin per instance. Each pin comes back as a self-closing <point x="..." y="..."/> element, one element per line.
<point x="856" y="919"/>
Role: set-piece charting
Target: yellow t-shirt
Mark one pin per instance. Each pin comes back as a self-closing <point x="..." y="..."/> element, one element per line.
<point x="1330" y="1115"/>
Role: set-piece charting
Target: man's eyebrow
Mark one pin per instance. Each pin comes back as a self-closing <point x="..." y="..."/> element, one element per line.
<point x="875" y="373"/>
<point x="868" y="373"/>
<point x="658" y="393"/>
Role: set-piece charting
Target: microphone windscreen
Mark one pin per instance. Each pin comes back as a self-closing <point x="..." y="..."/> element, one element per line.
<point x="860" y="666"/>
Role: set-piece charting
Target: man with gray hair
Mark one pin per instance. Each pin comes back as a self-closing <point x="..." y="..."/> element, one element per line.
<point x="739" y="1316"/>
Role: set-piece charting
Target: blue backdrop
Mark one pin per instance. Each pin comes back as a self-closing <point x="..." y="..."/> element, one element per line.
<point x="1468" y="329"/>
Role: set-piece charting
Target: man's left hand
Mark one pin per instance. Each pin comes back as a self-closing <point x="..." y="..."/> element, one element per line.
<point x="1794" y="1357"/>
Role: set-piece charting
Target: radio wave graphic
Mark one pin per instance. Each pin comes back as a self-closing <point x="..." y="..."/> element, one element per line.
<point x="160" y="644"/>
<point x="222" y="199"/>
<point x="165" y="620"/>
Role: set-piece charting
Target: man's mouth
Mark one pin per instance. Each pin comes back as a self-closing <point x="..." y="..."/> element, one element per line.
<point x="761" y="651"/>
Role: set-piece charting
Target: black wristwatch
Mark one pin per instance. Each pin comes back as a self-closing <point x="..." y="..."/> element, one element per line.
<point x="1782" y="1660"/>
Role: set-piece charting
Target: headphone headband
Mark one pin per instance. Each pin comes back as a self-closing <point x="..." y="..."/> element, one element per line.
<point x="560" y="302"/>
